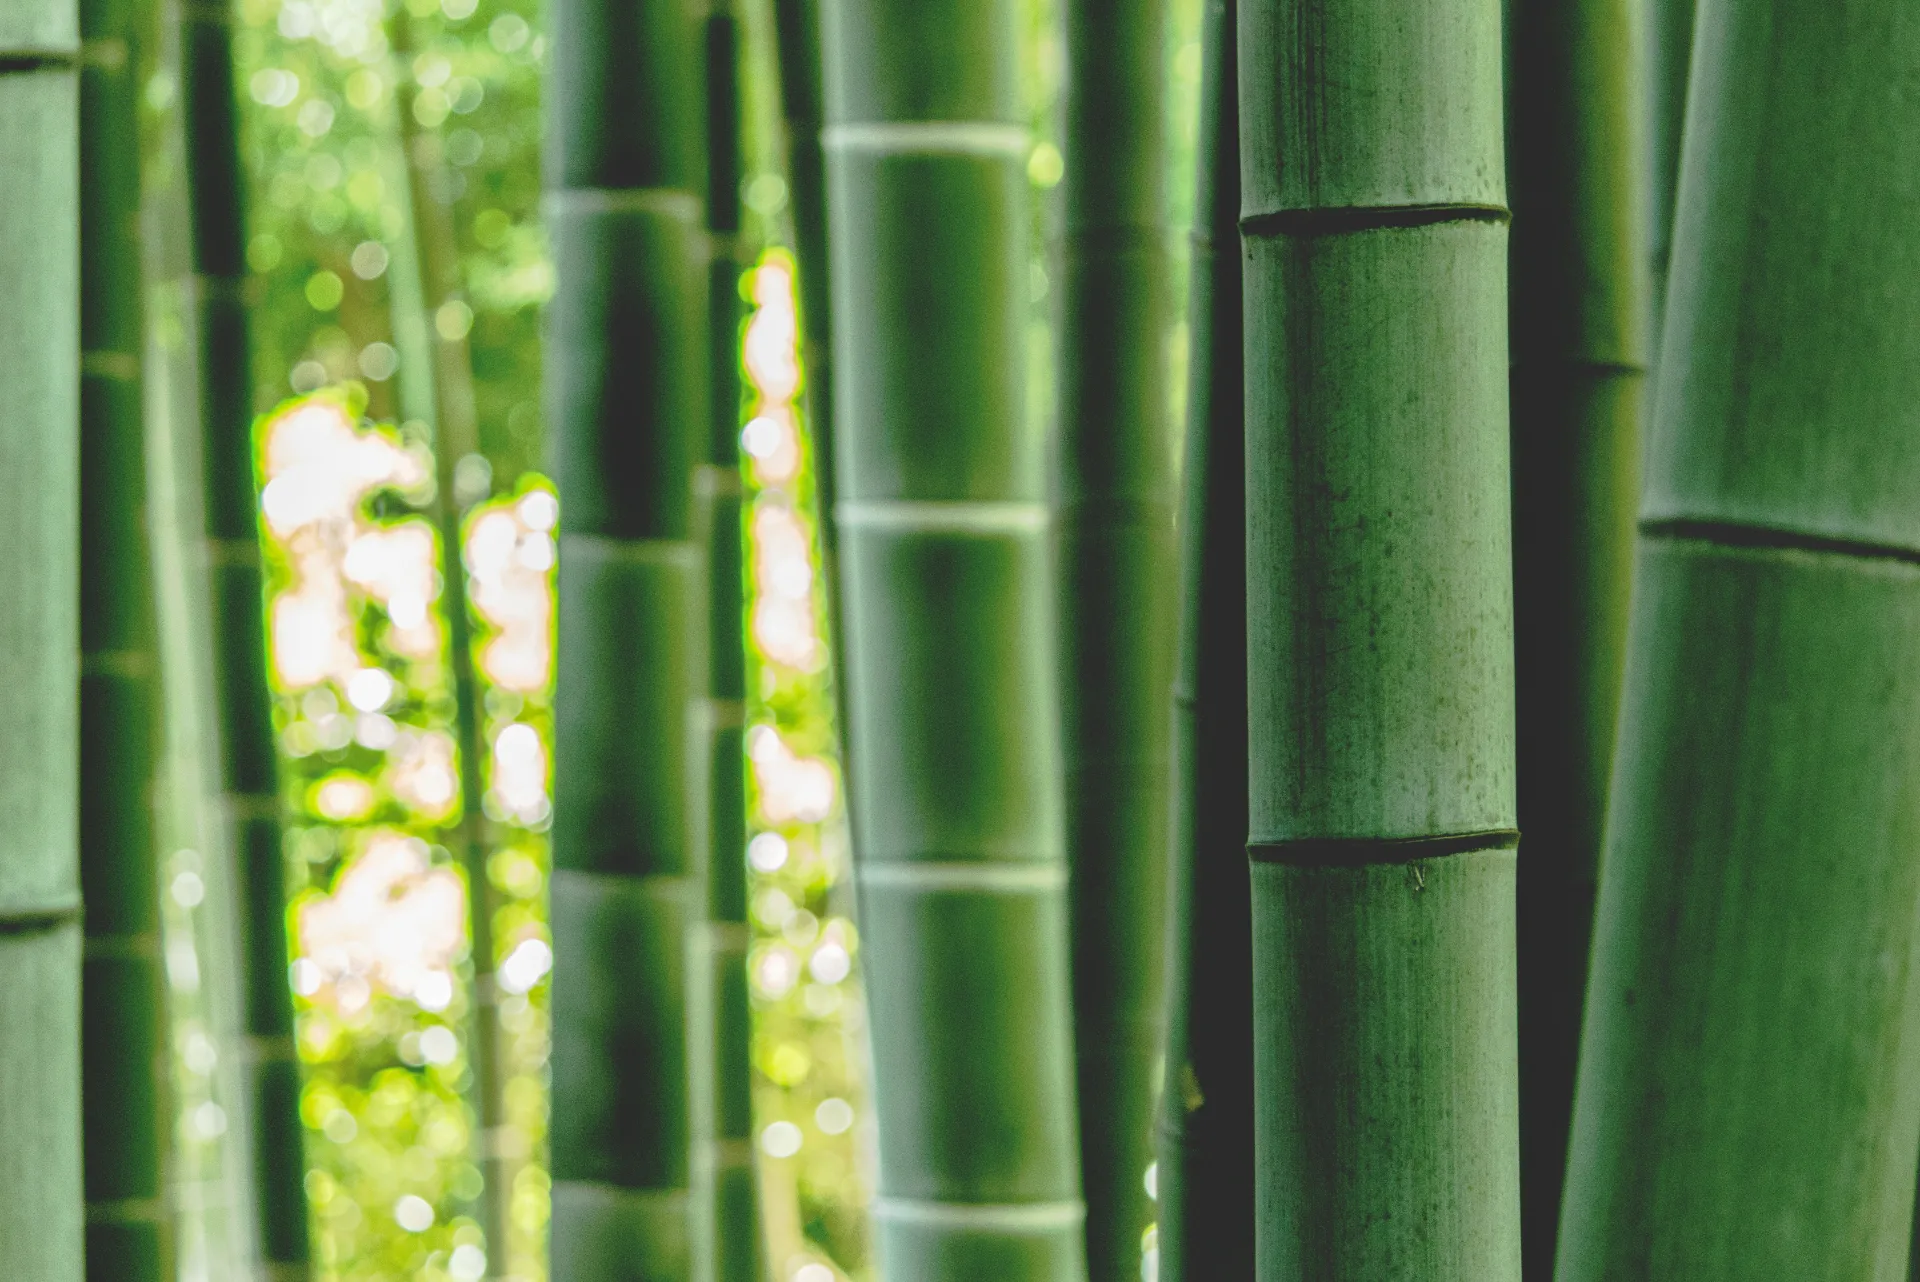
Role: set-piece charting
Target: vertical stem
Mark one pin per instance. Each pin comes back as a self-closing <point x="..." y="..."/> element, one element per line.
<point x="1206" y="1171"/>
<point x="1749" y="1087"/>
<point x="124" y="1056"/>
<point x="1379" y="640"/>
<point x="1114" y="508"/>
<point x="948" y="666"/>
<point x="628" y="388"/>
<point x="248" y="776"/>
<point x="1669" y="30"/>
<point x="40" y="949"/>
<point x="797" y="29"/>
<point x="1577" y="315"/>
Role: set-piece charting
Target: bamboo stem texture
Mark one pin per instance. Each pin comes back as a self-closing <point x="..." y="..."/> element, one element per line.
<point x="1669" y="31"/>
<point x="1379" y="641"/>
<point x="1206" y="1173"/>
<point x="40" y="937"/>
<point x="943" y="540"/>
<point x="1749" y="1092"/>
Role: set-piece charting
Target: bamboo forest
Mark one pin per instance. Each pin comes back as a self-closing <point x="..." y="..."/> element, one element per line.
<point x="960" y="640"/>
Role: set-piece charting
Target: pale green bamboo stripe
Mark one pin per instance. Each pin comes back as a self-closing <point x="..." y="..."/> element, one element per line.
<point x="668" y="202"/>
<point x="678" y="553"/>
<point x="1004" y="1217"/>
<point x="929" y="138"/>
<point x="936" y="516"/>
<point x="998" y="877"/>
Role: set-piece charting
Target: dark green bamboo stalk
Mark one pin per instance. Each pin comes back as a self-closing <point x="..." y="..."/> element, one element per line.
<point x="1114" y="550"/>
<point x="457" y="436"/>
<point x="797" y="31"/>
<point x="1379" y="661"/>
<point x="627" y="385"/>
<point x="40" y="1127"/>
<point x="1206" y="1171"/>
<point x="1577" y="316"/>
<point x="726" y="1229"/>
<point x="123" y="1038"/>
<point x="1669" y="32"/>
<point x="249" y="778"/>
<point x="949" y="679"/>
<point x="1749" y="1093"/>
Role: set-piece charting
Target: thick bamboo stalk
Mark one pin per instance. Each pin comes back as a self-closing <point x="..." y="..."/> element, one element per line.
<point x="456" y="435"/>
<point x="1206" y="1172"/>
<point x="1379" y="641"/>
<point x="249" y="780"/>
<point x="726" y="1230"/>
<point x="943" y="535"/>
<point x="1577" y="316"/>
<point x="627" y="386"/>
<point x="123" y="1038"/>
<point x="1113" y="480"/>
<point x="40" y="950"/>
<point x="1749" y="1094"/>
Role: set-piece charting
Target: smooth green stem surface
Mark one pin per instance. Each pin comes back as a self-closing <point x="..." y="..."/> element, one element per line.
<point x="1749" y="1088"/>
<point x="1669" y="35"/>
<point x="40" y="948"/>
<point x="1379" y="641"/>
<point x="1205" y="1173"/>
<point x="797" y="31"/>
<point x="946" y="600"/>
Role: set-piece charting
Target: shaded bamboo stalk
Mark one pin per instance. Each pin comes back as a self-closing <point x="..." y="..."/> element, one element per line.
<point x="123" y="1015"/>
<point x="1115" y="556"/>
<point x="797" y="36"/>
<point x="40" y="935"/>
<point x="627" y="396"/>
<point x="1205" y="1173"/>
<point x="946" y="585"/>
<point x="249" y="780"/>
<point x="456" y="437"/>
<point x="1577" y="316"/>
<point x="1379" y="641"/>
<point x="1749" y="1095"/>
<point x="1669" y="51"/>
<point x="726" y="1229"/>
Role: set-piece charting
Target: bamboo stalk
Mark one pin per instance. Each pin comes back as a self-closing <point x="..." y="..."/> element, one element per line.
<point x="249" y="779"/>
<point x="1379" y="641"/>
<point x="1749" y="1096"/>
<point x="1577" y="316"/>
<point x="40" y="950"/>
<point x="123" y="1020"/>
<point x="627" y="386"/>
<point x="797" y="35"/>
<point x="1205" y="1174"/>
<point x="949" y="684"/>
<point x="1669" y="31"/>
<point x="726" y="1229"/>
<point x="1113" y="481"/>
<point x="456" y="436"/>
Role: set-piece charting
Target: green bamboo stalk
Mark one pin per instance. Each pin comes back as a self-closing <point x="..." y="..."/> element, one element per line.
<point x="1379" y="641"/>
<point x="797" y="35"/>
<point x="1205" y="1172"/>
<point x="726" y="1230"/>
<point x="436" y="258"/>
<point x="949" y="680"/>
<point x="1113" y="481"/>
<point x="1749" y="1096"/>
<point x="1669" y="32"/>
<point x="123" y="1021"/>
<point x="627" y="386"/>
<point x="249" y="779"/>
<point x="1577" y="316"/>
<point x="40" y="950"/>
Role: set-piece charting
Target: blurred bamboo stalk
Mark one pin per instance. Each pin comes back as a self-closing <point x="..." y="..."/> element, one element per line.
<point x="40" y="934"/>
<point x="1668" y="30"/>
<point x="1205" y="1172"/>
<point x="802" y="106"/>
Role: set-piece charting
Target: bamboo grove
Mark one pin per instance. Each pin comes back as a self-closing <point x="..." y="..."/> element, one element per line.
<point x="1047" y="640"/>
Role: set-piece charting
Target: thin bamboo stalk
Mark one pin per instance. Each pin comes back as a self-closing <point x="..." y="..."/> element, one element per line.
<point x="1749" y="1095"/>
<point x="1669" y="31"/>
<point x="1577" y="316"/>
<point x="1206" y="1173"/>
<point x="1379" y="640"/>
<point x="726" y="1229"/>
<point x="627" y="385"/>
<point x="1113" y="481"/>
<point x="40" y="950"/>
<point x="954" y="755"/>
<point x="249" y="779"/>
<point x="123" y="1039"/>
<point x="456" y="435"/>
<point x="797" y="35"/>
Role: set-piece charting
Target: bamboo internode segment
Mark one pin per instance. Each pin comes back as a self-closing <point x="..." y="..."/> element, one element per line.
<point x="1379" y="639"/>
<point x="1749" y="1095"/>
<point x="40" y="1121"/>
<point x="945" y="601"/>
